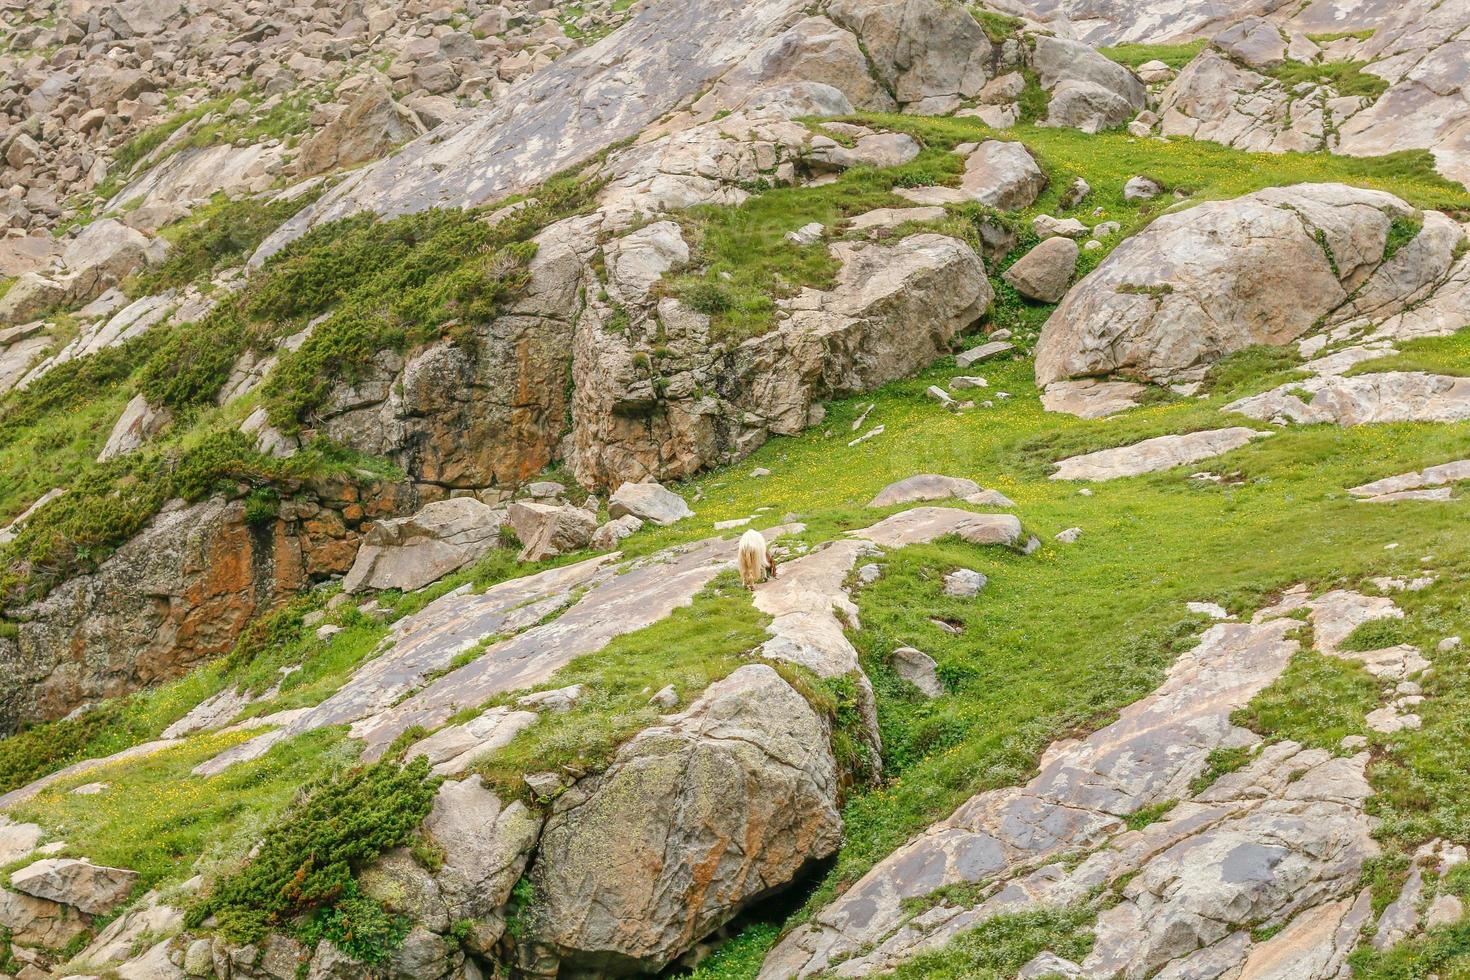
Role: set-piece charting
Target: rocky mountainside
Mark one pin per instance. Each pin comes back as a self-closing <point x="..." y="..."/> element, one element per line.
<point x="389" y="393"/>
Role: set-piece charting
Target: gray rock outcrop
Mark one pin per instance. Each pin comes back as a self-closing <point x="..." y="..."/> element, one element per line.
<point x="410" y="552"/>
<point x="718" y="806"/>
<point x="1260" y="269"/>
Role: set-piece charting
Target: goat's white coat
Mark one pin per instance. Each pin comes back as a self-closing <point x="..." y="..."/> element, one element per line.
<point x="753" y="559"/>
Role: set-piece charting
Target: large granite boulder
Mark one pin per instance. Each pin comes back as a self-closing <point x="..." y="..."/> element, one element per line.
<point x="720" y="805"/>
<point x="368" y="128"/>
<point x="92" y="888"/>
<point x="546" y="530"/>
<point x="410" y="552"/>
<point x="1215" y="278"/>
<point x="1003" y="174"/>
<point x="648" y="502"/>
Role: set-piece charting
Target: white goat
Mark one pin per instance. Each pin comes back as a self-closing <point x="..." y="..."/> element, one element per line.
<point x="754" y="560"/>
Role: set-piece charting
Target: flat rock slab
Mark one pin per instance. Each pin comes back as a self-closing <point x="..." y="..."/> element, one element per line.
<point x="621" y="601"/>
<point x="1090" y="398"/>
<point x="426" y="643"/>
<point x="1395" y="487"/>
<point x="983" y="352"/>
<point x="1153" y="455"/>
<point x="1153" y="752"/>
<point x="1392" y="396"/>
<point x="925" y="486"/>
<point x="923" y="524"/>
<point x="93" y="888"/>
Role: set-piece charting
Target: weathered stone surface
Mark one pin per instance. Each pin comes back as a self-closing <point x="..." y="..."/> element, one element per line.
<point x="925" y="486"/>
<point x="410" y="552"/>
<point x="138" y="424"/>
<point x="1153" y="455"/>
<point x="855" y="336"/>
<point x="177" y="592"/>
<point x="695" y="818"/>
<point x="39" y="921"/>
<point x="1151" y="753"/>
<point x="648" y="502"/>
<point x="919" y="669"/>
<point x="454" y="748"/>
<point x="1045" y="272"/>
<point x="546" y="530"/>
<point x="1254" y="41"/>
<point x="92" y="888"/>
<point x="609" y="535"/>
<point x="369" y="127"/>
<point x="1089" y="398"/>
<point x="1256" y="269"/>
<point x="1392" y="396"/>
<point x="1003" y="175"/>
<point x="1431" y="476"/>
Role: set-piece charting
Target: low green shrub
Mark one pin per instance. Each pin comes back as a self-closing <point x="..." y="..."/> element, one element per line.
<point x="307" y="862"/>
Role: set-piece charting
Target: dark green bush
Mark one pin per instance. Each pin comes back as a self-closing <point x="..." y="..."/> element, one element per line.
<point x="359" y="926"/>
<point x="220" y="235"/>
<point x="307" y="862"/>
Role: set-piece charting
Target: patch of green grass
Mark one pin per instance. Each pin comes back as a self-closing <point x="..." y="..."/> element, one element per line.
<point x="691" y="649"/>
<point x="1144" y="816"/>
<point x="998" y="947"/>
<point x="1401" y="231"/>
<point x="1330" y="36"/>
<point x="740" y="957"/>
<point x="1176" y="56"/>
<point x="1220" y="762"/>
<point x="220" y="234"/>
<point x="1420" y="784"/>
<point x="1316" y="701"/>
<point x="1375" y="634"/>
<point x="158" y="820"/>
<point x="1343" y="77"/>
<point x="1436" y="355"/>
<point x="998" y="27"/>
<point x="1251" y="368"/>
<point x="111" y="726"/>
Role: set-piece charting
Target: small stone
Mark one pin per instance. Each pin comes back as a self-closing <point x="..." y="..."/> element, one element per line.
<point x="667" y="698"/>
<point x="1446" y="910"/>
<point x="198" y="962"/>
<point x="808" y="234"/>
<point x="869" y="573"/>
<point x="1141" y="189"/>
<point x="1085" y="492"/>
<point x="965" y="381"/>
<point x="1447" y="644"/>
<point x="919" y="669"/>
<point x="1354" y="742"/>
<point x="90" y="789"/>
<point x="983" y="352"/>
<point x="1047" y="226"/>
<point x="1049" y="964"/>
<point x="557" y="701"/>
<point x="1070" y="535"/>
<point x="760" y="471"/>
<point x="940" y="395"/>
<point x="543" y="784"/>
<point x="964" y="583"/>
